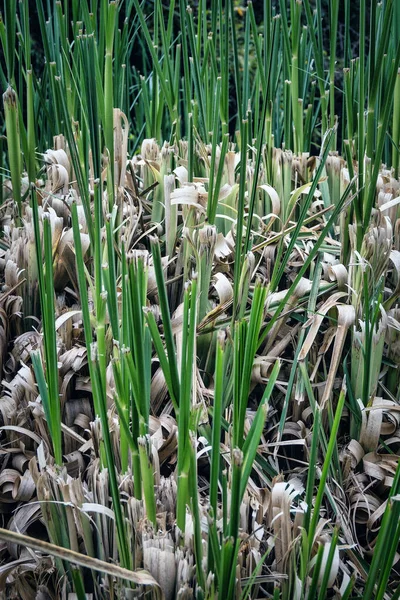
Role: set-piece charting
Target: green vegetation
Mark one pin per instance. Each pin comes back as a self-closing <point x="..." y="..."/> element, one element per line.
<point x="199" y="305"/>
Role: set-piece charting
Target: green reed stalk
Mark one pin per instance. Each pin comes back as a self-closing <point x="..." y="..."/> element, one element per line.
<point x="349" y="107"/>
<point x="99" y="391"/>
<point x="245" y="346"/>
<point x="361" y="106"/>
<point x="387" y="539"/>
<point x="312" y="471"/>
<point x="175" y="389"/>
<point x="334" y="12"/>
<point x="295" y="10"/>
<point x="216" y="422"/>
<point x="326" y="467"/>
<point x="112" y="13"/>
<point x="30" y="159"/>
<point x="10" y="19"/>
<point x="375" y="70"/>
<point x="185" y="401"/>
<point x="230" y="13"/>
<point x="190" y="164"/>
<point x="96" y="370"/>
<point x="147" y="469"/>
<point x="10" y="102"/>
<point x="240" y="211"/>
<point x="47" y="379"/>
<point x="211" y="202"/>
<point x="82" y="283"/>
<point x="195" y="508"/>
<point x="323" y="591"/>
<point x="253" y="437"/>
<point x="122" y="402"/>
<point x="110" y="278"/>
<point x="195" y="70"/>
<point x="396" y="127"/>
<point x="128" y="378"/>
<point x="155" y="61"/>
<point x="80" y="168"/>
<point x="381" y="136"/>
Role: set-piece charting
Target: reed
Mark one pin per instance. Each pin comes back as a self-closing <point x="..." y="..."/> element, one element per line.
<point x="207" y="390"/>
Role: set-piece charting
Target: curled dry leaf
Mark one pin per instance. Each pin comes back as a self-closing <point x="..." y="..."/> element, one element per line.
<point x="159" y="560"/>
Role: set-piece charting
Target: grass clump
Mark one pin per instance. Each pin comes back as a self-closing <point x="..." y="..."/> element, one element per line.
<point x="200" y="268"/>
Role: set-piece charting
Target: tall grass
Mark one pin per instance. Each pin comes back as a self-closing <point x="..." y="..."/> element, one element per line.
<point x="214" y="361"/>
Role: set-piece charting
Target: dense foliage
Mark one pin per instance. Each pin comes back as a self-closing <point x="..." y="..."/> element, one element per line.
<point x="199" y="305"/>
